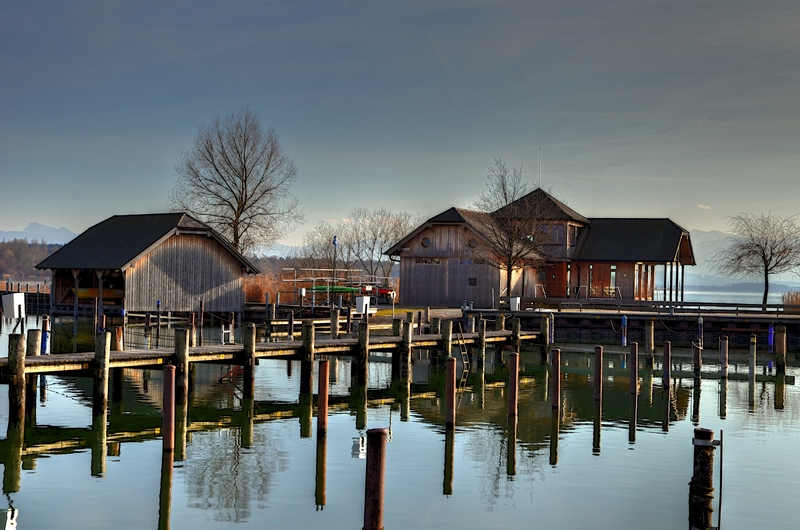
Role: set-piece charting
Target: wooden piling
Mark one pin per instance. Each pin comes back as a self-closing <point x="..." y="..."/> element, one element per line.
<point x="397" y="327"/>
<point x="322" y="398"/>
<point x="249" y="354"/>
<point x="701" y="487"/>
<point x="436" y="326"/>
<point x="362" y="356"/>
<point x="32" y="349"/>
<point x="598" y="373"/>
<point x="16" y="387"/>
<point x="544" y="329"/>
<point x="118" y="336"/>
<point x="447" y="336"/>
<point x="649" y="337"/>
<point x="723" y="357"/>
<point x="168" y="406"/>
<point x="181" y="364"/>
<point x="481" y="355"/>
<point x="780" y="349"/>
<point x="633" y="362"/>
<point x="450" y="393"/>
<point x="666" y="365"/>
<point x="516" y="333"/>
<point x="334" y="323"/>
<point x="513" y="384"/>
<point x="291" y="326"/>
<point x="374" y="483"/>
<point x="753" y="339"/>
<point x="500" y="322"/>
<point x="102" y="356"/>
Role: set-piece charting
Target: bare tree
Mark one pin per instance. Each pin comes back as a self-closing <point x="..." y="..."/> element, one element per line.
<point x="237" y="178"/>
<point x="512" y="223"/>
<point x="760" y="246"/>
<point x="373" y="232"/>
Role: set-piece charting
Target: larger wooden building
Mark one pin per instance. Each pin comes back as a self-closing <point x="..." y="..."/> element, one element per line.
<point x="443" y="262"/>
<point x="140" y="262"/>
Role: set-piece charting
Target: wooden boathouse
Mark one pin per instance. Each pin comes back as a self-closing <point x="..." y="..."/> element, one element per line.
<point x="448" y="259"/>
<point x="137" y="262"/>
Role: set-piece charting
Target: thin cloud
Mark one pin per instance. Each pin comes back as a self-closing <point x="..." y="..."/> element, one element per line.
<point x="704" y="207"/>
<point x="439" y="53"/>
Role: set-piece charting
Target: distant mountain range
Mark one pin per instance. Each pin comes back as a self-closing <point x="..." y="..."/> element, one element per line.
<point x="40" y="232"/>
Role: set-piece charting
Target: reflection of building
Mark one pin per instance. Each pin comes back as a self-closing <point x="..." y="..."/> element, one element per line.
<point x="444" y="261"/>
<point x="135" y="261"/>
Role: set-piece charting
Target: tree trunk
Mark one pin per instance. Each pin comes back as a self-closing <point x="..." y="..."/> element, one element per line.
<point x="766" y="289"/>
<point x="509" y="270"/>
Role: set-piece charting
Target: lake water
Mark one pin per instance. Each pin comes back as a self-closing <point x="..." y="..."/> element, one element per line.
<point x="586" y="474"/>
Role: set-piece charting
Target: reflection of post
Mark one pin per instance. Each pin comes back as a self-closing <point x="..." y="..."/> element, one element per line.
<point x="780" y="349"/>
<point x="99" y="439"/>
<point x="633" y="411"/>
<point x="362" y="355"/>
<point x="249" y="347"/>
<point x="634" y="366"/>
<point x="555" y="385"/>
<point x="182" y="426"/>
<point x="555" y="420"/>
<point x="666" y="398"/>
<point x="168" y="406"/>
<point x="723" y="398"/>
<point x="647" y="384"/>
<point x="701" y="487"/>
<point x="15" y="438"/>
<point x="481" y="355"/>
<point x="751" y="387"/>
<point x="598" y="421"/>
<point x="322" y="456"/>
<point x="780" y="390"/>
<point x="649" y="340"/>
<point x="450" y="393"/>
<point x="373" y="486"/>
<point x="33" y="348"/>
<point x="359" y="395"/>
<point x="513" y="384"/>
<point x="449" y="455"/>
<point x="306" y="396"/>
<point x="248" y="407"/>
<point x="697" y="360"/>
<point x="165" y="495"/>
<point x="102" y="357"/>
<point x="696" y="402"/>
<point x="511" y="453"/>
<point x="322" y="399"/>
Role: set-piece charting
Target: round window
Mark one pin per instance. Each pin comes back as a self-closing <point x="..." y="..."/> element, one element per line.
<point x="473" y="243"/>
<point x="426" y="242"/>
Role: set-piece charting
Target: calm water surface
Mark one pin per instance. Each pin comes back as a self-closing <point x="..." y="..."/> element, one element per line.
<point x="576" y="477"/>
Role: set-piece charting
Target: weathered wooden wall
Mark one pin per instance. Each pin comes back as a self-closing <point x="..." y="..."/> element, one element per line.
<point x="182" y="271"/>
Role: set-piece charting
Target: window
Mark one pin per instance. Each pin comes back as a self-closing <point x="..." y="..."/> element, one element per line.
<point x="473" y="281"/>
<point x="427" y="261"/>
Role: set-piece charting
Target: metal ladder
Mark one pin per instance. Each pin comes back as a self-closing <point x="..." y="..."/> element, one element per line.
<point x="462" y="347"/>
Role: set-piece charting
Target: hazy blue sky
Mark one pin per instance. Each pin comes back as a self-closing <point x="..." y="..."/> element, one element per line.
<point x="681" y="109"/>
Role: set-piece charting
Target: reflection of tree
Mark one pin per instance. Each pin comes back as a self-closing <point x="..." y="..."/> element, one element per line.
<point x="223" y="477"/>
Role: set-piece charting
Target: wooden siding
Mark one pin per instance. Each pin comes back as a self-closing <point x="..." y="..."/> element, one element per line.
<point x="182" y="271"/>
<point x="446" y="271"/>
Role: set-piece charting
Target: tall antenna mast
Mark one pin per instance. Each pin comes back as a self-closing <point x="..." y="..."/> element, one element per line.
<point x="540" y="168"/>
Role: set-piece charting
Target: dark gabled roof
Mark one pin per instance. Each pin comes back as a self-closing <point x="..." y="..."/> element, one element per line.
<point x="478" y="221"/>
<point x="546" y="207"/>
<point x="634" y="240"/>
<point x="117" y="242"/>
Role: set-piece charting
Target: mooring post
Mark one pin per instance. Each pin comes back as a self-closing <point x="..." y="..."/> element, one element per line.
<point x="181" y="364"/>
<point x="362" y="356"/>
<point x="697" y="360"/>
<point x="598" y="373"/>
<point x="666" y="364"/>
<point x="102" y="356"/>
<point x="624" y="331"/>
<point x="419" y="322"/>
<point x="723" y="357"/>
<point x="168" y="406"/>
<point x="322" y="399"/>
<point x="334" y="323"/>
<point x="33" y="347"/>
<point x="436" y="326"/>
<point x="202" y="312"/>
<point x="374" y="484"/>
<point x="450" y="393"/>
<point x="780" y="349"/>
<point x="633" y="362"/>
<point x="250" y="360"/>
<point x="500" y="322"/>
<point x="397" y="327"/>
<point x="481" y="343"/>
<point x="447" y="337"/>
<point x="516" y="333"/>
<point x="780" y="390"/>
<point x="16" y="387"/>
<point x="555" y="384"/>
<point x="118" y="338"/>
<point x="513" y="384"/>
<point x="753" y="339"/>
<point x="771" y="338"/>
<point x="649" y="337"/>
<point x="471" y="324"/>
<point x="45" y="333"/>
<point x="290" y="326"/>
<point x="701" y="487"/>
<point x="544" y="329"/>
<point x="405" y="358"/>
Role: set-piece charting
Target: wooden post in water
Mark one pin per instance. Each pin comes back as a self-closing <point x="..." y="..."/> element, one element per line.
<point x="753" y="339"/>
<point x="374" y="484"/>
<point x="701" y="487"/>
<point x="667" y="366"/>
<point x="362" y="356"/>
<point x="249" y="345"/>
<point x="291" y="326"/>
<point x="780" y="349"/>
<point x="447" y="337"/>
<point x="513" y="385"/>
<point x="450" y="393"/>
<point x="633" y="362"/>
<point x="168" y="406"/>
<point x="102" y="355"/>
<point x="436" y="326"/>
<point x="16" y="387"/>
<point x="649" y="338"/>
<point x="723" y="357"/>
<point x="500" y="322"/>
<point x="598" y="373"/>
<point x="397" y="326"/>
<point x="516" y="333"/>
<point x="181" y="365"/>
<point x="202" y="312"/>
<point x="33" y="347"/>
<point x="544" y="329"/>
<point x="322" y="399"/>
<point x="481" y="343"/>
